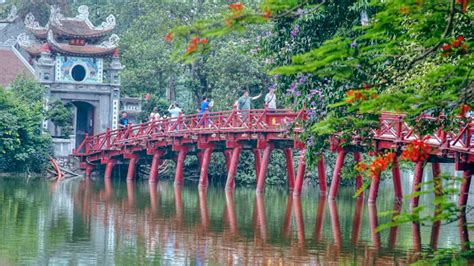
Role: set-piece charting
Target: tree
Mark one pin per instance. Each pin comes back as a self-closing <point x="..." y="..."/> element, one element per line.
<point x="23" y="146"/>
<point x="61" y="116"/>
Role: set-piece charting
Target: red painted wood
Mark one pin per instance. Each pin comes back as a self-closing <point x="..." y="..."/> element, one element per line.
<point x="359" y="180"/>
<point x="289" y="168"/>
<point x="227" y="156"/>
<point x="357" y="222"/>
<point x="286" y="229"/>
<point x="203" y="178"/>
<point x="131" y="168"/>
<point x="299" y="221"/>
<point x="108" y="168"/>
<point x="337" y="174"/>
<point x="300" y="174"/>
<point x="318" y="227"/>
<point x="373" y="220"/>
<point x="258" y="161"/>
<point x="335" y="224"/>
<point x="464" y="190"/>
<point x="397" y="183"/>
<point x="229" y="199"/>
<point x="261" y="217"/>
<point x="155" y="163"/>
<point x="374" y="189"/>
<point x="417" y="179"/>
<point x="323" y="184"/>
<point x="263" y="168"/>
<point x="179" y="175"/>
<point x="234" y="161"/>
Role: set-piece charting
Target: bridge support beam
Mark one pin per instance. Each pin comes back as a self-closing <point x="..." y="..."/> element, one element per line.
<point x="359" y="180"/>
<point x="109" y="166"/>
<point x="88" y="170"/>
<point x="300" y="174"/>
<point x="132" y="163"/>
<point x="374" y="189"/>
<point x="323" y="185"/>
<point x="258" y="161"/>
<point x="464" y="190"/>
<point x="289" y="168"/>
<point x="234" y="161"/>
<point x="227" y="156"/>
<point x="155" y="163"/>
<point x="206" y="158"/>
<point x="337" y="174"/>
<point x="179" y="175"/>
<point x="416" y="184"/>
<point x="397" y="183"/>
<point x="264" y="167"/>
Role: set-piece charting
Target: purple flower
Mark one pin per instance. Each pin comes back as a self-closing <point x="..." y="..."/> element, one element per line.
<point x="354" y="44"/>
<point x="295" y="31"/>
<point x="313" y="104"/>
<point x="299" y="11"/>
<point x="311" y="114"/>
<point x="310" y="141"/>
<point x="302" y="80"/>
<point x="292" y="88"/>
<point x="297" y="93"/>
<point x="273" y="86"/>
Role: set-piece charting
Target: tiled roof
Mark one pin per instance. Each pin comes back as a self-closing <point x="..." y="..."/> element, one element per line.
<point x="11" y="65"/>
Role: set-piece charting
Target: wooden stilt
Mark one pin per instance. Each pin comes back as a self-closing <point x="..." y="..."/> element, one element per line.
<point x="263" y="168"/>
<point x="132" y="163"/>
<point x="179" y="175"/>
<point x="234" y="161"/>
<point x="300" y="174"/>
<point x="108" y="168"/>
<point x="289" y="168"/>
<point x="258" y="161"/>
<point x="323" y="185"/>
<point x="155" y="163"/>
<point x="374" y="189"/>
<point x="464" y="190"/>
<point x="337" y="174"/>
<point x="416" y="187"/>
<point x="397" y="183"/>
<point x="203" y="178"/>
<point x="359" y="179"/>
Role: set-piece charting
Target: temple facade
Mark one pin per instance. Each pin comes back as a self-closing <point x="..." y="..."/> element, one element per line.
<point x="79" y="64"/>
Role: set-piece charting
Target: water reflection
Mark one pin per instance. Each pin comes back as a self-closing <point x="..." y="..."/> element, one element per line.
<point x="137" y="223"/>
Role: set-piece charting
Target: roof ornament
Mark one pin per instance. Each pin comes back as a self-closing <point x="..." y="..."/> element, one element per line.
<point x="12" y="15"/>
<point x="56" y="16"/>
<point x="109" y="23"/>
<point x="24" y="40"/>
<point x="112" y="42"/>
<point x="83" y="12"/>
<point x="30" y="22"/>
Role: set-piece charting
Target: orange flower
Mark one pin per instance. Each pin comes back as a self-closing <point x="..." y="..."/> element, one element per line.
<point x="192" y="47"/>
<point x="464" y="109"/>
<point x="169" y="37"/>
<point x="267" y="13"/>
<point x="456" y="43"/>
<point x="204" y="41"/>
<point x="446" y="47"/>
<point x="460" y="38"/>
<point x="236" y="7"/>
<point x="404" y="10"/>
<point x="381" y="163"/>
<point x="416" y="151"/>
<point x="195" y="40"/>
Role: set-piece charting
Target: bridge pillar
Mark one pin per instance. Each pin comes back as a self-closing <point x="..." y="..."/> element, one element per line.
<point x="200" y="155"/>
<point x="289" y="168"/>
<point x="155" y="163"/>
<point x="227" y="156"/>
<point x="206" y="158"/>
<point x="108" y="168"/>
<point x="397" y="183"/>
<point x="300" y="174"/>
<point x="132" y="163"/>
<point x="416" y="184"/>
<point x="258" y="161"/>
<point x="234" y="161"/>
<point x="323" y="185"/>
<point x="179" y="176"/>
<point x="374" y="189"/>
<point x="337" y="174"/>
<point x="264" y="167"/>
<point x="464" y="190"/>
<point x="88" y="170"/>
<point x="359" y="180"/>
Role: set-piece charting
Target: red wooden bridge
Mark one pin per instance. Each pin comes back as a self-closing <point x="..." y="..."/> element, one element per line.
<point x="262" y="131"/>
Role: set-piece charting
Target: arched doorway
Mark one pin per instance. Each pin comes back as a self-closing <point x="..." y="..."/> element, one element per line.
<point x="84" y="121"/>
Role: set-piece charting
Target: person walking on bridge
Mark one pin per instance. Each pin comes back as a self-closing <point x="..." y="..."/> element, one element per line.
<point x="244" y="104"/>
<point x="270" y="99"/>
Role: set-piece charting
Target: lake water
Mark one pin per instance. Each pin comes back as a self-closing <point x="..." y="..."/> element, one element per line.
<point x="93" y="222"/>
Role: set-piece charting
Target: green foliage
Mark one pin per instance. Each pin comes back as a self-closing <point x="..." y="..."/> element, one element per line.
<point x="61" y="116"/>
<point x="23" y="146"/>
<point x="147" y="107"/>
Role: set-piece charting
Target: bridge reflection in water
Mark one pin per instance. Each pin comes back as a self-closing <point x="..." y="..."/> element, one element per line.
<point x="175" y="224"/>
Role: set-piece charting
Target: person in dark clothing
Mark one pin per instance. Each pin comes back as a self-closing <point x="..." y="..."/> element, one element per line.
<point x="123" y="122"/>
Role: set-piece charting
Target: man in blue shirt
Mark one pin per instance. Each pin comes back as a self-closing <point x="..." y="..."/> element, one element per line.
<point x="204" y="105"/>
<point x="123" y="122"/>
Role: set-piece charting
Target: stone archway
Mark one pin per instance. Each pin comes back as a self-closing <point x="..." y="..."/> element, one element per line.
<point x="84" y="120"/>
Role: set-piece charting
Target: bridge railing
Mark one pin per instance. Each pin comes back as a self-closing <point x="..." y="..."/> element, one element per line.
<point x="394" y="127"/>
<point x="209" y="122"/>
